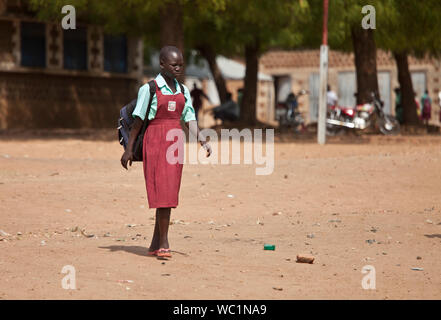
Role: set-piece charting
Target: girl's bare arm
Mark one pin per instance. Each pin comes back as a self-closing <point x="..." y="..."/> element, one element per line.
<point x="128" y="153"/>
<point x="194" y="130"/>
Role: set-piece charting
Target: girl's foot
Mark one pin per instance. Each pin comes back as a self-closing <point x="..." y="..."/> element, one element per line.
<point x="152" y="252"/>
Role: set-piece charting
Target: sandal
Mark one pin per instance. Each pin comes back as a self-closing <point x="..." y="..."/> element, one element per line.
<point x="164" y="253"/>
<point x="153" y="253"/>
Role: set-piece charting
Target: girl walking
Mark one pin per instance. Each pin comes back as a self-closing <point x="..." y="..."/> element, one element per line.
<point x="163" y="178"/>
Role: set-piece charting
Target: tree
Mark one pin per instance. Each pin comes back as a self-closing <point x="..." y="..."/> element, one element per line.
<point x="171" y="21"/>
<point x="254" y="27"/>
<point x="365" y="57"/>
<point x="242" y="28"/>
<point x="205" y="31"/>
<point x="209" y="53"/>
<point x="410" y="28"/>
<point x="346" y="34"/>
<point x="402" y="27"/>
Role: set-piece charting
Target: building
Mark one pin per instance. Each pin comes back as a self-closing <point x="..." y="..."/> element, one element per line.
<point x="55" y="78"/>
<point x="296" y="70"/>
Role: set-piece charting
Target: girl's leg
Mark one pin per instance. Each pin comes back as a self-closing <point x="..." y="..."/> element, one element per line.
<point x="163" y="218"/>
<point x="154" y="245"/>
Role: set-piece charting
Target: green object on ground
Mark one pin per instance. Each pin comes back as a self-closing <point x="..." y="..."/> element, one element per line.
<point x="269" y="247"/>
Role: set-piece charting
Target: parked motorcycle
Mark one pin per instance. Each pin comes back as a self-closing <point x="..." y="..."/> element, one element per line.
<point x="287" y="113"/>
<point x="361" y="118"/>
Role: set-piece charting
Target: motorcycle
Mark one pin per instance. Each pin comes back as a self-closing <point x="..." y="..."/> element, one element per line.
<point x="361" y="117"/>
<point x="287" y="114"/>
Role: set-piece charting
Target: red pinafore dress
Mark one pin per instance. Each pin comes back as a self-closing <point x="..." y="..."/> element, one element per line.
<point x="163" y="177"/>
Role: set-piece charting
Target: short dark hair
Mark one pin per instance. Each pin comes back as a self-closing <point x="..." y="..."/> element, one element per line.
<point x="165" y="52"/>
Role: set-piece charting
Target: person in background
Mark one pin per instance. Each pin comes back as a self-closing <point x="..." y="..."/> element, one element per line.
<point x="196" y="97"/>
<point x="418" y="107"/>
<point x="426" y="104"/>
<point x="439" y="103"/>
<point x="291" y="103"/>
<point x="398" y="106"/>
<point x="331" y="97"/>
<point x="239" y="97"/>
<point x="229" y="110"/>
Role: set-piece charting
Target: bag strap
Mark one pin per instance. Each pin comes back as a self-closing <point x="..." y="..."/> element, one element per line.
<point x="152" y="87"/>
<point x="182" y="90"/>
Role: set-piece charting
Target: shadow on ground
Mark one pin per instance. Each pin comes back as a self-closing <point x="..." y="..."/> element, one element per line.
<point x="433" y="236"/>
<point x="138" y="250"/>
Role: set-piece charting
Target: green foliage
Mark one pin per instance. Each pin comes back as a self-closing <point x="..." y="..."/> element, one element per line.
<point x="402" y="25"/>
<point x="410" y="26"/>
<point x="135" y="17"/>
<point x="229" y="25"/>
<point x="343" y="15"/>
<point x="116" y="16"/>
<point x="273" y="23"/>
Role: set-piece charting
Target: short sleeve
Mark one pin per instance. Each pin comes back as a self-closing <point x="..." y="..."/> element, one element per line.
<point x="188" y="113"/>
<point x="142" y="103"/>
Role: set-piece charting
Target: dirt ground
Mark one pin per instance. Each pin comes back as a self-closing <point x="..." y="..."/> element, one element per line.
<point x="357" y="201"/>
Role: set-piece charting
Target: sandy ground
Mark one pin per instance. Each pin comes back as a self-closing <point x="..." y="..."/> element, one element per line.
<point x="357" y="201"/>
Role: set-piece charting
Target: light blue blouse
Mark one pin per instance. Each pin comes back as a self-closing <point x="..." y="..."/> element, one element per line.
<point x="188" y="113"/>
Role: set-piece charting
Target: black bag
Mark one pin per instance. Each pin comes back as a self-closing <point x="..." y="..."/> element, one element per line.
<point x="126" y="121"/>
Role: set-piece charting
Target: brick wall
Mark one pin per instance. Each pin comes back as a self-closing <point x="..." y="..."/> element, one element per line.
<point x="56" y="98"/>
<point x="34" y="100"/>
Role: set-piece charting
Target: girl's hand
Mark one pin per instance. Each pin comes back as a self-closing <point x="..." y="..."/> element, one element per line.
<point x="127" y="157"/>
<point x="207" y="147"/>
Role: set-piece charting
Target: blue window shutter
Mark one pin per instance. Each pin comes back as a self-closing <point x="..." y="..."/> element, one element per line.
<point x="75" y="49"/>
<point x="33" y="44"/>
<point x="115" y="53"/>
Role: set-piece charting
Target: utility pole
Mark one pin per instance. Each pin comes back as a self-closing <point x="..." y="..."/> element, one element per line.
<point x="321" y="131"/>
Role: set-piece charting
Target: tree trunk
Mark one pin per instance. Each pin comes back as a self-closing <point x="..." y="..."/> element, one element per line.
<point x="2" y="6"/>
<point x="172" y="28"/>
<point x="365" y="58"/>
<point x="407" y="94"/>
<point x="248" y="107"/>
<point x="208" y="53"/>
